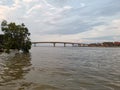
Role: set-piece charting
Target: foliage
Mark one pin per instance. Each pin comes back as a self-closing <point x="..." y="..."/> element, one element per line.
<point x="15" y="36"/>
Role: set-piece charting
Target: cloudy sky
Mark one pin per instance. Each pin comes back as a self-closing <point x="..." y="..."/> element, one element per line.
<point x="65" y="20"/>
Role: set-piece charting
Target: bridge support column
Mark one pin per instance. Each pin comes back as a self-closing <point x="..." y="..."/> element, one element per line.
<point x="54" y="44"/>
<point x="34" y="45"/>
<point x="73" y="45"/>
<point x="64" y="44"/>
<point x="79" y="45"/>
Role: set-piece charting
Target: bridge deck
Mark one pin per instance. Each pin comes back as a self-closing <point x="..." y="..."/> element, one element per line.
<point x="56" y="42"/>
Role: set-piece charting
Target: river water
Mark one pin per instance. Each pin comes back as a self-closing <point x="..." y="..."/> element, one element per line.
<point x="61" y="68"/>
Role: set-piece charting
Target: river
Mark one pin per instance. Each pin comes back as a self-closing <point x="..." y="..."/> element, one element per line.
<point x="61" y="68"/>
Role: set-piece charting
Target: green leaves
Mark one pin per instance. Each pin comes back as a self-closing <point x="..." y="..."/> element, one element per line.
<point x="16" y="36"/>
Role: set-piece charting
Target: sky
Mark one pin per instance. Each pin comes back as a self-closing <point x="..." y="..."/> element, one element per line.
<point x="65" y="20"/>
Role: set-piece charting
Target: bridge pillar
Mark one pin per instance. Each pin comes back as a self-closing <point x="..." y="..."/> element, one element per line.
<point x="79" y="45"/>
<point x="54" y="44"/>
<point x="64" y="44"/>
<point x="34" y="45"/>
<point x="72" y="44"/>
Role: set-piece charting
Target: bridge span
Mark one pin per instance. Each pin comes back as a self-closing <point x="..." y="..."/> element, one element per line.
<point x="64" y="43"/>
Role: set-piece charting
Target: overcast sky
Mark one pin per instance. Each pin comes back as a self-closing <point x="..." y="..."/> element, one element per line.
<point x="65" y="20"/>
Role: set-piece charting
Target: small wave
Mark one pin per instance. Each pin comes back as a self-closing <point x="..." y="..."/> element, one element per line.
<point x="45" y="87"/>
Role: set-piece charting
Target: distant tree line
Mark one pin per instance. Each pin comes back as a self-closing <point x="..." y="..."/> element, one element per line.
<point x="15" y="37"/>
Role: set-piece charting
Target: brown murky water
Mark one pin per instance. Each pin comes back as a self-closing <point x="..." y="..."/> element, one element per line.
<point x="59" y="68"/>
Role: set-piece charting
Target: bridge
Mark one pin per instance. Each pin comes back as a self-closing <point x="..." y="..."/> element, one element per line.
<point x="64" y="43"/>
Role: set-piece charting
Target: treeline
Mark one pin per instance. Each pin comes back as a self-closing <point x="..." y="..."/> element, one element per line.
<point x="14" y="37"/>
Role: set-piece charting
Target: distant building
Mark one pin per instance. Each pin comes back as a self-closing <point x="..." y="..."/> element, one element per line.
<point x="117" y="43"/>
<point x="108" y="44"/>
<point x="95" y="45"/>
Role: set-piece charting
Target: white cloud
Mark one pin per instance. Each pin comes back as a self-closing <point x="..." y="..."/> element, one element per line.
<point x="6" y="11"/>
<point x="1" y="2"/>
<point x="47" y="12"/>
<point x="112" y="29"/>
<point x="67" y="7"/>
<point x="82" y="4"/>
<point x="67" y="38"/>
<point x="34" y="8"/>
<point x="29" y="1"/>
<point x="41" y="16"/>
<point x="48" y="5"/>
<point x="16" y="3"/>
<point x="3" y="11"/>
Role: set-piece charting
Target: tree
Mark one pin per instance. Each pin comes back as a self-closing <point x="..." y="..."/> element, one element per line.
<point x="16" y="36"/>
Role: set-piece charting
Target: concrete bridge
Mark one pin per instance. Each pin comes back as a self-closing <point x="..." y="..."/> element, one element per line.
<point x="64" y="43"/>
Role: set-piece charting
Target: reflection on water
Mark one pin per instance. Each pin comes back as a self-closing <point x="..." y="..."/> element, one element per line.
<point x="13" y="67"/>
